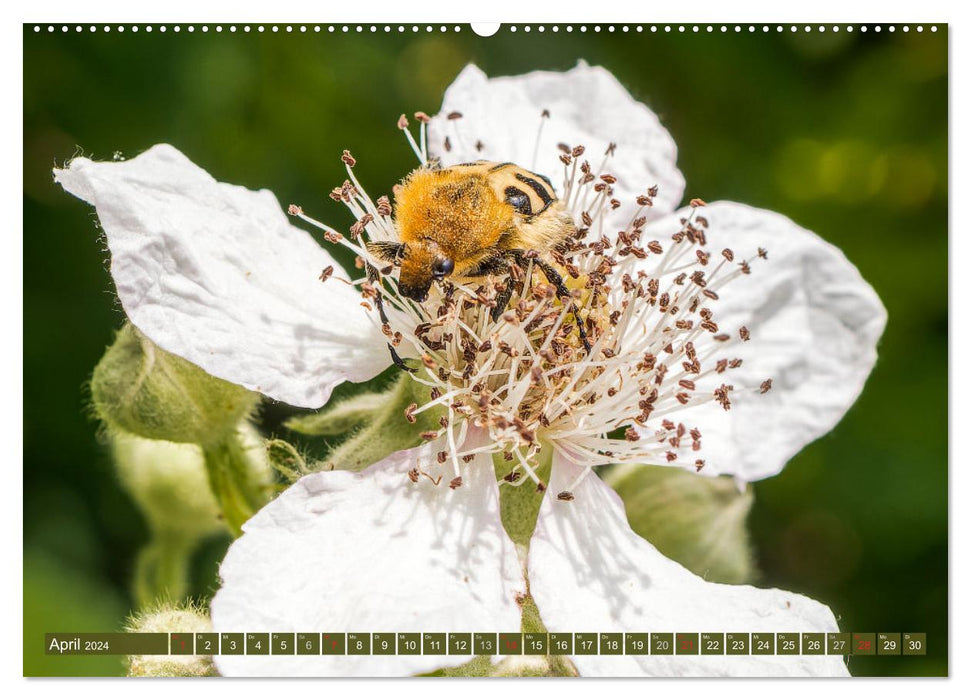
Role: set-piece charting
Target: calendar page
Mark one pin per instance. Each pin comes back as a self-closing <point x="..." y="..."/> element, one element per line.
<point x="386" y="349"/>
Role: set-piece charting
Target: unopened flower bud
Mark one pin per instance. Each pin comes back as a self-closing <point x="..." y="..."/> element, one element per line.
<point x="169" y="483"/>
<point x="188" y="620"/>
<point x="148" y="392"/>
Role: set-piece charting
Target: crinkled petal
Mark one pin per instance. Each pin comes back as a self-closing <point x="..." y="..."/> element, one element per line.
<point x="814" y="323"/>
<point x="587" y="106"/>
<point x="589" y="572"/>
<point x="216" y="274"/>
<point x="371" y="552"/>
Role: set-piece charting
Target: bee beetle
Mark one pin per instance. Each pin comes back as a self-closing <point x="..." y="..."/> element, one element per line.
<point x="472" y="220"/>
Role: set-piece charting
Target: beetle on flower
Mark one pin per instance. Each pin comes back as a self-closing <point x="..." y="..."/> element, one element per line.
<point x="722" y="339"/>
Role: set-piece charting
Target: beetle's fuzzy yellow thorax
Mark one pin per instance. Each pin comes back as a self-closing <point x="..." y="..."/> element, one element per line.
<point x="448" y="214"/>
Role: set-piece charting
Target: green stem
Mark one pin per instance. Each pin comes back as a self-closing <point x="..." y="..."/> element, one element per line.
<point x="162" y="570"/>
<point x="239" y="497"/>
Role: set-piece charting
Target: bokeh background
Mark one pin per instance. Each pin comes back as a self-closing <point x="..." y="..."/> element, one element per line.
<point x="846" y="133"/>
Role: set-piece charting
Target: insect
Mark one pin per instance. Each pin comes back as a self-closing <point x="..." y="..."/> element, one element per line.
<point x="472" y="220"/>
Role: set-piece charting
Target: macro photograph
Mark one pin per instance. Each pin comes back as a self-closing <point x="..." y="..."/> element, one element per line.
<point x="557" y="350"/>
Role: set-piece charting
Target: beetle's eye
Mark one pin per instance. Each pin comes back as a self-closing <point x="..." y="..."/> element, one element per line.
<point x="518" y="200"/>
<point x="442" y="267"/>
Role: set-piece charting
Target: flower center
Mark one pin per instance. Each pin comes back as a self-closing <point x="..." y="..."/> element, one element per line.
<point x="525" y="374"/>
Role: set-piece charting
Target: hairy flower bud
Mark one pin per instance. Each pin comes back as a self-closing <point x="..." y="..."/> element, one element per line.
<point x="148" y="392"/>
<point x="188" y="619"/>
<point x="169" y="482"/>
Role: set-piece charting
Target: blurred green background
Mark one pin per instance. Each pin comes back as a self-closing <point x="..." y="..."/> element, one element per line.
<point x="845" y="133"/>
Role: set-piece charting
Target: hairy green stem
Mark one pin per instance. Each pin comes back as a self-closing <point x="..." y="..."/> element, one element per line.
<point x="236" y="492"/>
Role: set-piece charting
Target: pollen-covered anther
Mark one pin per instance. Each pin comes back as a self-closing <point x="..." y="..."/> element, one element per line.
<point x="455" y="483"/>
<point x="348" y="159"/>
<point x="765" y="386"/>
<point x="326" y="273"/>
<point x="564" y="496"/>
<point x="413" y="474"/>
<point x="722" y="396"/>
<point x="410" y="413"/>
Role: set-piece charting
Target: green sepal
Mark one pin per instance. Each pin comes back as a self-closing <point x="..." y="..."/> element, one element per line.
<point x="389" y="431"/>
<point x="697" y="521"/>
<point x="286" y="459"/>
<point x="519" y="502"/>
<point x="347" y="415"/>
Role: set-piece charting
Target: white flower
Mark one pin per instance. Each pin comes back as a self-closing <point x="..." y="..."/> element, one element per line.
<point x="685" y="321"/>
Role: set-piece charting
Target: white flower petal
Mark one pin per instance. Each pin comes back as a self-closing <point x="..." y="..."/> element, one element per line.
<point x="371" y="552"/>
<point x="814" y="324"/>
<point x="587" y="107"/>
<point x="216" y="274"/>
<point x="589" y="572"/>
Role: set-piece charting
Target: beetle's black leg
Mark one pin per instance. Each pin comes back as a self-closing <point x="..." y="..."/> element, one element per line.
<point x="556" y="280"/>
<point x="375" y="279"/>
<point x="496" y="265"/>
